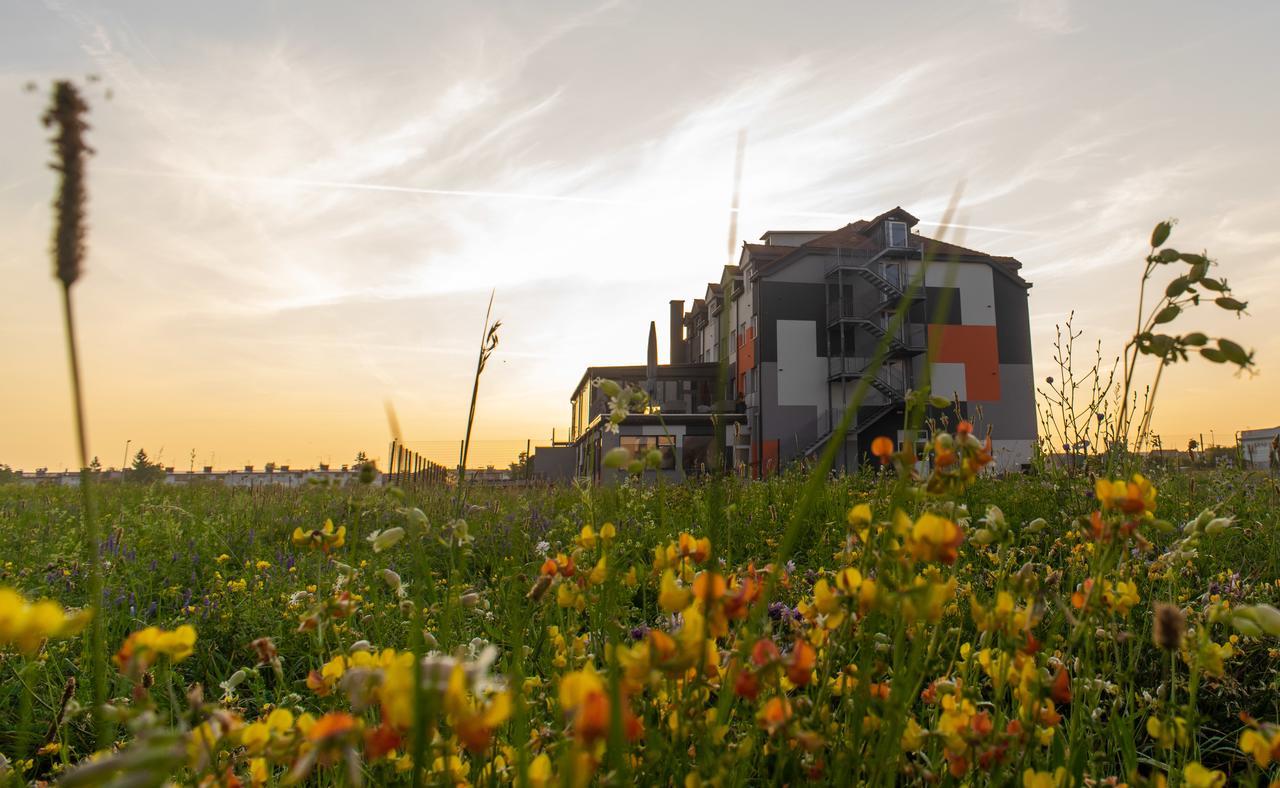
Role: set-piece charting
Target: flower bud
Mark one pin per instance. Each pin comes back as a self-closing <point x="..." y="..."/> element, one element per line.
<point x="609" y="387"/>
<point x="1217" y="525"/>
<point x="430" y="639"/>
<point x="385" y="540"/>
<point x="617" y="457"/>
<point x="469" y="599"/>
<point x="391" y="579"/>
<point x="360" y="645"/>
<point x="653" y="458"/>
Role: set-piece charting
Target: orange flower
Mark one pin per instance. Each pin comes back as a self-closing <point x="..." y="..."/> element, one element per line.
<point x="775" y="713"/>
<point x="801" y="662"/>
<point x="746" y="684"/>
<point x="709" y="586"/>
<point x="1061" y="689"/>
<point x="334" y="725"/>
<point x="882" y="447"/>
<point x="765" y="652"/>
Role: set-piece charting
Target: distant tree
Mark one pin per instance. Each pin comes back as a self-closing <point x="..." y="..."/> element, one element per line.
<point x="361" y="459"/>
<point x="144" y="470"/>
<point x="7" y="474"/>
<point x="95" y="467"/>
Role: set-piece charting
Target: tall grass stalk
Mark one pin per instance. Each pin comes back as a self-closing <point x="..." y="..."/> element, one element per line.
<point x="488" y="343"/>
<point x="66" y="112"/>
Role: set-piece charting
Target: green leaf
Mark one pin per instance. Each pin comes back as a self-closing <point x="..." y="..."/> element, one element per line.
<point x="1227" y="302"/>
<point x="1213" y="354"/>
<point x="1155" y="344"/>
<point x="1161" y="233"/>
<point x="1195" y="339"/>
<point x="1167" y="255"/>
<point x="1168" y="313"/>
<point x="1234" y="353"/>
<point x="1177" y="287"/>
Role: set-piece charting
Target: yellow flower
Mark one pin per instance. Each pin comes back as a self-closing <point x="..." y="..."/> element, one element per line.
<point x="1263" y="749"/>
<point x="1168" y="734"/>
<point x="326" y="538"/>
<point x="1197" y="776"/>
<point x="141" y="649"/>
<point x="1034" y="779"/>
<point x="474" y="720"/>
<point x="671" y="597"/>
<point x="608" y="533"/>
<point x="540" y="771"/>
<point x="859" y="516"/>
<point x="25" y="625"/>
<point x="1121" y="596"/>
<point x="1137" y="496"/>
<point x="587" y="537"/>
<point x="935" y="538"/>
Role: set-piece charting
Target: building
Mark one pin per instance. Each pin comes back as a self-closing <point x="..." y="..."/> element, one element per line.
<point x="1260" y="448"/>
<point x="282" y="476"/>
<point x="786" y="336"/>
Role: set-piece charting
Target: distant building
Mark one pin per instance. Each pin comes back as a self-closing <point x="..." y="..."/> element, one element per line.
<point x="282" y="477"/>
<point x="797" y="322"/>
<point x="1260" y="448"/>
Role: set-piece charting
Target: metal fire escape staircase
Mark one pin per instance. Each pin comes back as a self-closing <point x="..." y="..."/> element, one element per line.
<point x="895" y="395"/>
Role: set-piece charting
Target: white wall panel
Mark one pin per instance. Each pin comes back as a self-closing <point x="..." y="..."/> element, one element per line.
<point x="948" y="380"/>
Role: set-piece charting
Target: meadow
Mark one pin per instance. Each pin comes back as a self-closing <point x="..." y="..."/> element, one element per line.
<point x="921" y="622"/>
<point x="1037" y="629"/>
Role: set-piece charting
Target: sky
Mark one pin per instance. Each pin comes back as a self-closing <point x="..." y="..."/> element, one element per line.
<point x="298" y="211"/>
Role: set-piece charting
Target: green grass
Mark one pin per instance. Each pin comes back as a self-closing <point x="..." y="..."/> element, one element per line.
<point x="178" y="555"/>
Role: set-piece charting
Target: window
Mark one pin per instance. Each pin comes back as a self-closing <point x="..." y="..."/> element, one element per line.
<point x="640" y="445"/>
<point x="896" y="233"/>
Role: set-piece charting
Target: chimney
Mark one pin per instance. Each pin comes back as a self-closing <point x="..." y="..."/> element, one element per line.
<point x="677" y="332"/>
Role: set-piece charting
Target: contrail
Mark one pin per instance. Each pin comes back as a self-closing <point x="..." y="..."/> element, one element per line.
<point x="481" y="194"/>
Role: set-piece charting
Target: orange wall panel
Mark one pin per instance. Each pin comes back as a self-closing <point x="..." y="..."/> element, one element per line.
<point x="975" y="347"/>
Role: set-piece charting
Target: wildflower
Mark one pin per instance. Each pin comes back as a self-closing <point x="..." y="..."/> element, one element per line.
<point x="324" y="539"/>
<point x="587" y="538"/>
<point x="800" y="663"/>
<point x="697" y="549"/>
<point x="26" y="625"/>
<point x="1262" y="744"/>
<point x="671" y="597"/>
<point x="608" y="532"/>
<point x="859" y="516"/>
<point x="935" y="538"/>
<point x="1034" y="779"/>
<point x="775" y="713"/>
<point x="540" y="771"/>
<point x="1120" y="597"/>
<point x="1168" y="733"/>
<point x="383" y="540"/>
<point x="1197" y="776"/>
<point x="141" y="649"/>
<point x="585" y="702"/>
<point x="474" y="720"/>
<point x="1211" y="657"/>
<point x="1135" y="497"/>
<point x="882" y="447"/>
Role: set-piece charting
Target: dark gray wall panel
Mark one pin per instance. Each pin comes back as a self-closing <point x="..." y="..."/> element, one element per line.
<point x="789" y="301"/>
<point x="1013" y="333"/>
